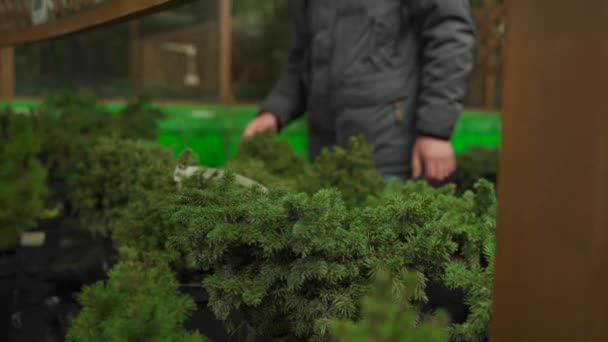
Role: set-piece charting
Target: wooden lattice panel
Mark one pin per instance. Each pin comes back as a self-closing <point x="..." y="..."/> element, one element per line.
<point x="490" y="20"/>
<point x="14" y="14"/>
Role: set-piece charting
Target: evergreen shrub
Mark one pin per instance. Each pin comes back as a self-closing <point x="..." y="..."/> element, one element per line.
<point x="140" y="301"/>
<point x="115" y="173"/>
<point x="387" y="315"/>
<point x="273" y="163"/>
<point x="292" y="262"/>
<point x="473" y="165"/>
<point x="299" y="259"/>
<point x="70" y="124"/>
<point x="22" y="177"/>
<point x="139" y="120"/>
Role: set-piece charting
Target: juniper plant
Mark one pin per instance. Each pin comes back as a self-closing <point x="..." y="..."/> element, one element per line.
<point x="22" y="177"/>
<point x="71" y="124"/>
<point x="139" y="119"/>
<point x="293" y="262"/>
<point x="388" y="316"/>
<point x="68" y="126"/>
<point x="285" y="260"/>
<point x="470" y="221"/>
<point x="273" y="163"/>
<point x="116" y="173"/>
<point x="473" y="165"/>
<point x="140" y="301"/>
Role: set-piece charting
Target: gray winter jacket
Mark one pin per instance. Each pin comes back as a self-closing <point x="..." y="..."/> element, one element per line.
<point x="388" y="69"/>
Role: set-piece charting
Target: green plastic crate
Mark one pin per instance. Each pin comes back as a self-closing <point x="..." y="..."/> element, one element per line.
<point x="477" y="129"/>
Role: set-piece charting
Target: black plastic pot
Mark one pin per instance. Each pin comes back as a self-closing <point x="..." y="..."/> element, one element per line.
<point x="203" y="320"/>
<point x="58" y="195"/>
<point x="50" y="275"/>
<point x="452" y="301"/>
<point x="8" y="274"/>
<point x="8" y="262"/>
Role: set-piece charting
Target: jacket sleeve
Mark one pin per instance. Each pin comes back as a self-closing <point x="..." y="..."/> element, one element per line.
<point x="287" y="100"/>
<point x="447" y="39"/>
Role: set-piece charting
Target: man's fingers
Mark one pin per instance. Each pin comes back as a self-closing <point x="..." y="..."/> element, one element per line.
<point x="250" y="130"/>
<point x="247" y="132"/>
<point x="416" y="165"/>
<point x="442" y="169"/>
<point x="438" y="171"/>
<point x="447" y="167"/>
<point x="434" y="159"/>
<point x="431" y="169"/>
<point x="262" y="124"/>
<point x="451" y="167"/>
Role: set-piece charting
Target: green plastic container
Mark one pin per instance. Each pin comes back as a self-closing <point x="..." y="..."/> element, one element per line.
<point x="477" y="129"/>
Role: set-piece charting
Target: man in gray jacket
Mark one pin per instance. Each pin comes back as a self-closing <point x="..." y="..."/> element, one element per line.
<point x="395" y="71"/>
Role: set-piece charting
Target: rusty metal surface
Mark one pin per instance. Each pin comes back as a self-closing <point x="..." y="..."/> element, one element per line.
<point x="552" y="254"/>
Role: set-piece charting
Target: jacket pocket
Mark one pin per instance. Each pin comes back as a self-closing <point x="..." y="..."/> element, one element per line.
<point x="380" y="124"/>
<point x="391" y="139"/>
<point x="403" y="113"/>
<point x="398" y="110"/>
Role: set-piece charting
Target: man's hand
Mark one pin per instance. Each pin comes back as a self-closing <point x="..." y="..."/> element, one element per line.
<point x="434" y="157"/>
<point x="265" y="122"/>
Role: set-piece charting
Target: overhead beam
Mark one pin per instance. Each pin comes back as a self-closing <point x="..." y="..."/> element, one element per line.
<point x="105" y="13"/>
<point x="552" y="252"/>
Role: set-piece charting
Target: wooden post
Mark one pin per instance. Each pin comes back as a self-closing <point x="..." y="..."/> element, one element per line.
<point x="490" y="85"/>
<point x="7" y="73"/>
<point x="224" y="50"/>
<point x="552" y="253"/>
<point x="136" y="55"/>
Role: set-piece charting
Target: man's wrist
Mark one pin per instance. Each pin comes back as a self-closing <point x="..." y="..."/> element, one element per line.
<point x="425" y="134"/>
